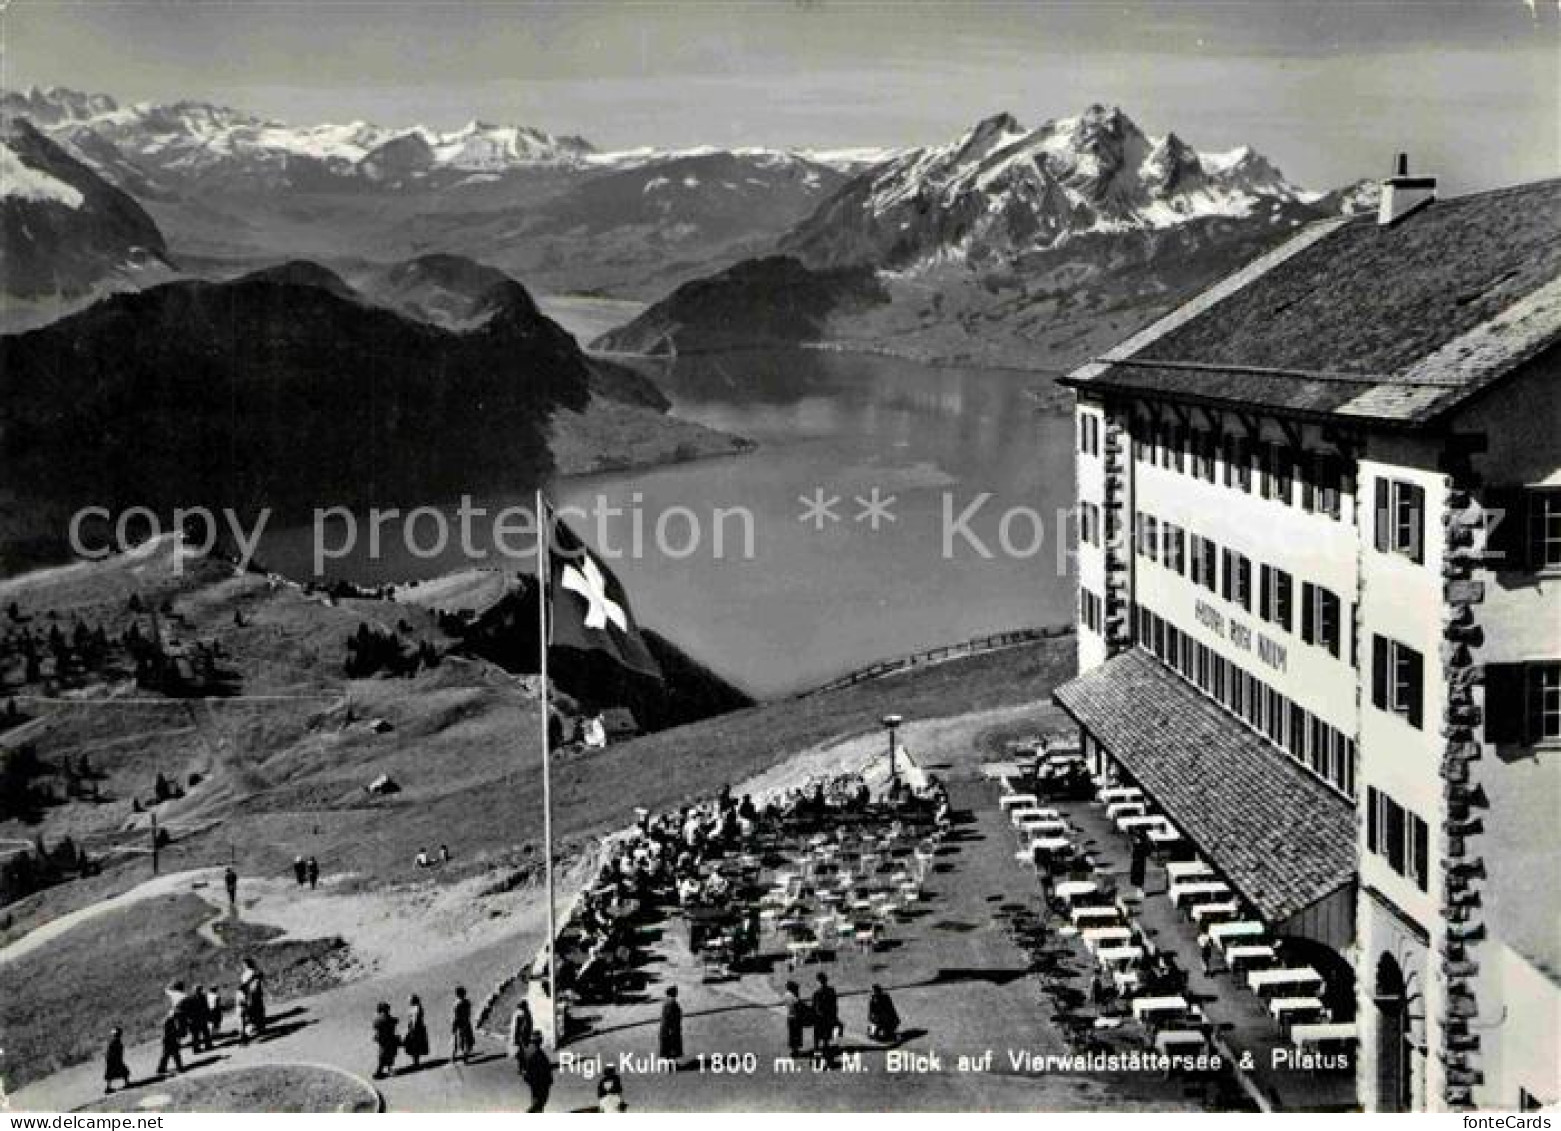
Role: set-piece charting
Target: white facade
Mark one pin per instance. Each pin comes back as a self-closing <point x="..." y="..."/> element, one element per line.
<point x="1414" y="967"/>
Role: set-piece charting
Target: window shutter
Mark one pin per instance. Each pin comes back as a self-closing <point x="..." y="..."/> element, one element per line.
<point x="1504" y="713"/>
<point x="1308" y="464"/>
<point x="1264" y="604"/>
<point x="1379" y="672"/>
<point x="1371" y="817"/>
<point x="1225" y="573"/>
<point x="1422" y="853"/>
<point x="1382" y="498"/>
<point x="1414" y="666"/>
<point x="1308" y="611"/>
<point x="1282" y="593"/>
<point x="1415" y="501"/>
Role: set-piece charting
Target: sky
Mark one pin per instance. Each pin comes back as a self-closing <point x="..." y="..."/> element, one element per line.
<point x="1329" y="91"/>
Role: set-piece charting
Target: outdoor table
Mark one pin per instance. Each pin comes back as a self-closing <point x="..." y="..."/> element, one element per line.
<point x="1071" y="889"/>
<point x="1165" y="834"/>
<point x="1288" y="1010"/>
<point x="1081" y="915"/>
<point x="1106" y="936"/>
<point x="1114" y="955"/>
<point x="1231" y="934"/>
<point x="1121" y="793"/>
<point x="1049" y="844"/>
<point x="1180" y="870"/>
<point x="1287" y="978"/>
<point x="1200" y="890"/>
<point x="1323" y="1033"/>
<point x="1149" y="1008"/>
<point x="1018" y="801"/>
<point x="1214" y="912"/>
<point x="1125" y="979"/>
<point x="1169" y="1041"/>
<point x="802" y="949"/>
<point x="1063" y="757"/>
<point x="1118" y="809"/>
<point x="1046" y="827"/>
<point x="1238" y="956"/>
<point x="1128" y="824"/>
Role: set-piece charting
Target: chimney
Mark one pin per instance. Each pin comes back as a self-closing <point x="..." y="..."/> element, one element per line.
<point x="1403" y="194"/>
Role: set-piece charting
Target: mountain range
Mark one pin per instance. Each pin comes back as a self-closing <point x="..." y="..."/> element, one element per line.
<point x="1011" y="246"/>
<point x="289" y="388"/>
<point x="231" y="190"/>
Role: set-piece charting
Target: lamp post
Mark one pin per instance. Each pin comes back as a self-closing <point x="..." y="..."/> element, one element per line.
<point x="892" y="724"/>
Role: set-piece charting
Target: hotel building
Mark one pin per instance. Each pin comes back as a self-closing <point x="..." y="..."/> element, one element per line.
<point x="1320" y="617"/>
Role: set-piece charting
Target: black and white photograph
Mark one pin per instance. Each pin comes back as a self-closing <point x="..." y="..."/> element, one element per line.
<point x="826" y="556"/>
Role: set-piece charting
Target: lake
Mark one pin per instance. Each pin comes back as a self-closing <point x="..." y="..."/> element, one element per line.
<point x="816" y="599"/>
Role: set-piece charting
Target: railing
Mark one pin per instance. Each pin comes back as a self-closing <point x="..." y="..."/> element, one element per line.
<point x="993" y="643"/>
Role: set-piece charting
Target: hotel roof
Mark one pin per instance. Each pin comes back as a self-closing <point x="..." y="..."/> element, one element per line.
<point x="1279" y="836"/>
<point x="1394" y="324"/>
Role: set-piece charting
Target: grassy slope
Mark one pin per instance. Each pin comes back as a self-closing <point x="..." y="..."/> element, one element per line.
<point x="58" y="1004"/>
<point x="285" y="779"/>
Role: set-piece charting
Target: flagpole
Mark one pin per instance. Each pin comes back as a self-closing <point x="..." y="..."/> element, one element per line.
<point x="544" y="537"/>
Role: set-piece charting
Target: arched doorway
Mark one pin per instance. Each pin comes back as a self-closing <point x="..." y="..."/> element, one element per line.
<point x="1395" y="1053"/>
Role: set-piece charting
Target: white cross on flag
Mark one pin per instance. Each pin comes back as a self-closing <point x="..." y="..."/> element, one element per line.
<point x="590" y="611"/>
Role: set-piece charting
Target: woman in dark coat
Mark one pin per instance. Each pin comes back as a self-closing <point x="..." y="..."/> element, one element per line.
<point x="796" y="1019"/>
<point x="385" y="1041"/>
<point x="415" y="1044"/>
<point x="114" y="1067"/>
<point x="883" y="1020"/>
<point x="670" y="1042"/>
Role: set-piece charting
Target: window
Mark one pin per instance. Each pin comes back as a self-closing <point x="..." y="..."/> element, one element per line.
<point x="1274" y="597"/>
<point x="1400" y="518"/>
<point x="1089" y="433"/>
<point x="1296" y="738"/>
<point x="1089" y="524"/>
<point x="1523" y="703"/>
<point x="1397" y="679"/>
<point x="1320" y="617"/>
<point x="1237" y="579"/>
<point x="1320" y="479"/>
<point x="1091" y="610"/>
<point x="1204" y="446"/>
<point x="1148" y="537"/>
<point x="1175" y="548"/>
<point x="1198" y="561"/>
<point x="1238" y="463"/>
<point x="1399" y="837"/>
<point x="1281" y="473"/>
<point x="1544" y="529"/>
<point x="1176" y="448"/>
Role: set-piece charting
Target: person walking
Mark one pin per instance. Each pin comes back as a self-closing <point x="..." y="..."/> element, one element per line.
<point x="171" y="1036"/>
<point x="1138" y="867"/>
<point x="300" y="870"/>
<point x="198" y="1019"/>
<point x="609" y="1092"/>
<point x="230" y="881"/>
<point x="385" y="1041"/>
<point x="796" y="1019"/>
<point x="883" y="1020"/>
<point x="669" y="1042"/>
<point x="312" y="872"/>
<point x="462" y="1038"/>
<point x="252" y="996"/>
<point x="214" y="1012"/>
<point x="114" y="1067"/>
<point x="521" y="1026"/>
<point x="415" y="1043"/>
<point x="537" y="1071"/>
<point x="826" y="1017"/>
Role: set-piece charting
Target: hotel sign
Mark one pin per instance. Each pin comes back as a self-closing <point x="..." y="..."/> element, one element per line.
<point x="1243" y="636"/>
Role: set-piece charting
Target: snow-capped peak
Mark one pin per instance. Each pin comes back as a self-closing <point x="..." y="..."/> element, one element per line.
<point x="1003" y="188"/>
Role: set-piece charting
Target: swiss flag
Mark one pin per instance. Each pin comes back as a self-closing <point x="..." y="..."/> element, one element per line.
<point x="588" y="609"/>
